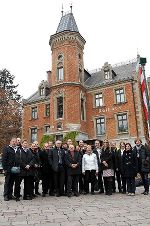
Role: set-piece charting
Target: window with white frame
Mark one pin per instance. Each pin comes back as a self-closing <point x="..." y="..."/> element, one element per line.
<point x="34" y="112"/>
<point x="120" y="96"/>
<point x="59" y="107"/>
<point x="122" y="123"/>
<point x="60" y="73"/>
<point x="33" y="132"/>
<point x="98" y="99"/>
<point x="47" y="110"/>
<point x="47" y="129"/>
<point x="100" y="126"/>
<point x="107" y="74"/>
<point x="82" y="109"/>
<point x="42" y="91"/>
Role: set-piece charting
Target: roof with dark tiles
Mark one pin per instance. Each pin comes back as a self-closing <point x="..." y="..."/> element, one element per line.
<point x="67" y="23"/>
<point x="35" y="98"/>
<point x="123" y="72"/>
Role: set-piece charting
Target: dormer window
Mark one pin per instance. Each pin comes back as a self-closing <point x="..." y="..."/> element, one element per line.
<point x="107" y="74"/>
<point x="42" y="91"/>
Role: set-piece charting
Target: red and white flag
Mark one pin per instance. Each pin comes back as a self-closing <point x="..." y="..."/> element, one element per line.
<point x="144" y="95"/>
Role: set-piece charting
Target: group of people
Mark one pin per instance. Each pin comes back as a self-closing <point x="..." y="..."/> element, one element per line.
<point x="67" y="170"/>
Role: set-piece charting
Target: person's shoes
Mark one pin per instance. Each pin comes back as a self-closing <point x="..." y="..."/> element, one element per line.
<point x="57" y="195"/>
<point x="69" y="195"/>
<point x="123" y="192"/>
<point x="109" y="193"/>
<point x="37" y="193"/>
<point x="146" y="193"/>
<point x="132" y="194"/>
<point x="43" y="194"/>
<point x="120" y="191"/>
<point x="27" y="198"/>
<point x="80" y="192"/>
<point x="92" y="193"/>
<point x="76" y="194"/>
<point x="34" y="196"/>
<point x="114" y="191"/>
<point x="101" y="192"/>
<point x="51" y="194"/>
<point x="129" y="194"/>
<point x="6" y="198"/>
<point x="12" y="197"/>
<point x="17" y="199"/>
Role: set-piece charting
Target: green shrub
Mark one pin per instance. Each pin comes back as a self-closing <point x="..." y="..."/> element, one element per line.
<point x="46" y="138"/>
<point x="71" y="135"/>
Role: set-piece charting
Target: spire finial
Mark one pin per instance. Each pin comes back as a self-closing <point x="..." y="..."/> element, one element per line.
<point x="62" y="10"/>
<point x="71" y="7"/>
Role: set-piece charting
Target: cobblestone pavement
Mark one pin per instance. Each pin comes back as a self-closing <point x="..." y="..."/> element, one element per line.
<point x="115" y="210"/>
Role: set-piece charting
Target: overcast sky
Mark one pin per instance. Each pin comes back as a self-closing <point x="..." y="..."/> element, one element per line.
<point x="114" y="31"/>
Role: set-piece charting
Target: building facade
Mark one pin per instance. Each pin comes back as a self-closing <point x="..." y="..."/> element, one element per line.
<point x="105" y="103"/>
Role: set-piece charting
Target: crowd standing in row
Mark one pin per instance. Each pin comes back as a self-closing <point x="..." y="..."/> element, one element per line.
<point x="68" y="170"/>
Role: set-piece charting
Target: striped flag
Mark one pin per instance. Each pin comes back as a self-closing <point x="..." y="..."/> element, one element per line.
<point x="144" y="95"/>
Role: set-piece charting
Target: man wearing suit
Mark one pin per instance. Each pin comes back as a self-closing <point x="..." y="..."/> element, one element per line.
<point x="8" y="161"/>
<point x="56" y="160"/>
<point x="97" y="151"/>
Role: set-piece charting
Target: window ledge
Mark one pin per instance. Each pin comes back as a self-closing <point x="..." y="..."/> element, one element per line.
<point x="121" y="103"/>
<point x="104" y="106"/>
<point x="46" y="116"/>
<point x="120" y="133"/>
<point x="33" y="119"/>
<point x="98" y="135"/>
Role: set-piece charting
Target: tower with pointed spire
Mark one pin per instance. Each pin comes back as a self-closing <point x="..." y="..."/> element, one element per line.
<point x="67" y="76"/>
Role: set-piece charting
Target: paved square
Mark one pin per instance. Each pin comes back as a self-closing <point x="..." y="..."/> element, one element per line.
<point x="115" y="210"/>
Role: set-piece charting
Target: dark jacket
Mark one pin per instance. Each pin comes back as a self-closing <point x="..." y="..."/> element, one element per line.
<point x="54" y="160"/>
<point x="143" y="156"/>
<point x="129" y="164"/>
<point x="108" y="156"/>
<point x="25" y="158"/>
<point x="45" y="166"/>
<point x="119" y="160"/>
<point x="98" y="159"/>
<point x="8" y="158"/>
<point x="69" y="160"/>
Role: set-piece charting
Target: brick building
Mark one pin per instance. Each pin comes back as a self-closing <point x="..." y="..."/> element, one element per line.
<point x="105" y="103"/>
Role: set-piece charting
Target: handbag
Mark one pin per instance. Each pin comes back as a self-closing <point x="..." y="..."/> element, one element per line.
<point x="15" y="169"/>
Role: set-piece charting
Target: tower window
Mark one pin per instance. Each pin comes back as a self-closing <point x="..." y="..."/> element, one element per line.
<point x="60" y="107"/>
<point x="60" y="73"/>
<point x="47" y="110"/>
<point x="82" y="109"/>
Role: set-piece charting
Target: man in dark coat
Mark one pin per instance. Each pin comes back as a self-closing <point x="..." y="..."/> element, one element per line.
<point x="57" y="162"/>
<point x="97" y="150"/>
<point x="24" y="158"/>
<point x="73" y="163"/>
<point x="143" y="156"/>
<point x="120" y="178"/>
<point x="8" y="161"/>
<point x="46" y="175"/>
